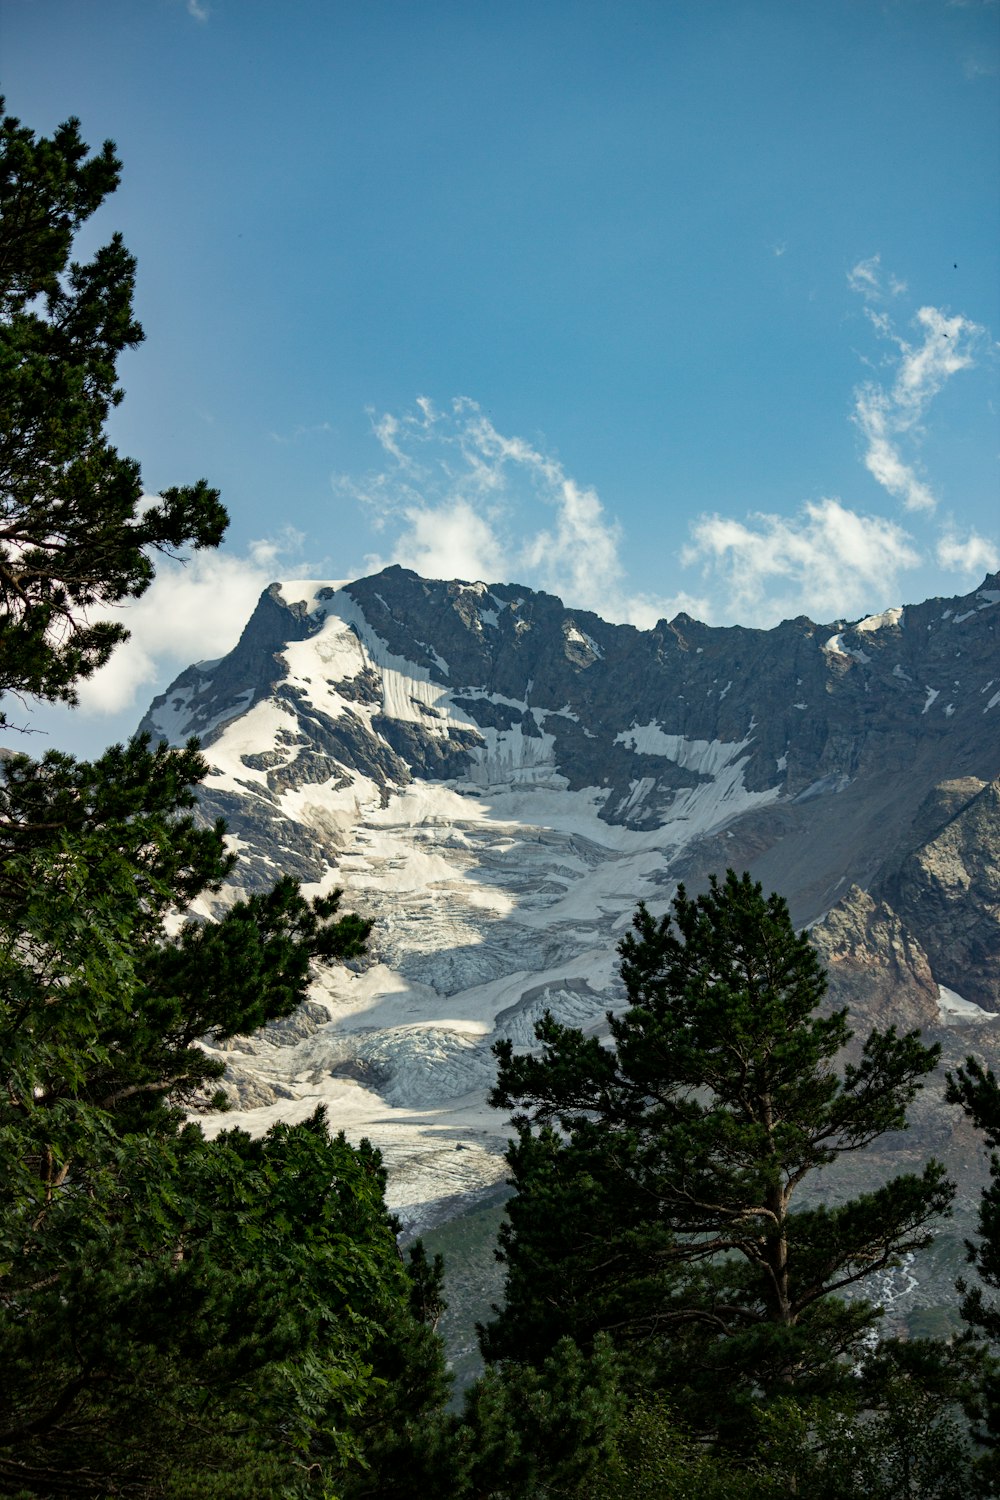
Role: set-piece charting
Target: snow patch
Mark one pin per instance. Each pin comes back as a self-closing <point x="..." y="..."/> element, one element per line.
<point x="705" y="757"/>
<point x="578" y="637"/>
<point x="955" y="1009"/>
<point x="835" y="647"/>
<point x="879" y="622"/>
<point x="307" y="591"/>
<point x="825" y="786"/>
<point x="717" y="799"/>
<point x="510" y="755"/>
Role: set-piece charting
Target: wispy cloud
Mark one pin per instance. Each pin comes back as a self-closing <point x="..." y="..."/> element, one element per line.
<point x="829" y="559"/>
<point x="199" y="12"/>
<point x="972" y="555"/>
<point x="867" y="278"/>
<point x="458" y="498"/>
<point x="890" y="415"/>
<point x="981" y="67"/>
<point x="826" y="561"/>
<point x="302" y="430"/>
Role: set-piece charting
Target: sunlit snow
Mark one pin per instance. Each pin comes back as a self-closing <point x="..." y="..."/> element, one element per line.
<point x="954" y="1007"/>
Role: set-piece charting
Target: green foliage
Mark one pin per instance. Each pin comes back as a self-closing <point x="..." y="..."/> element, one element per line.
<point x="168" y="1302"/>
<point x="74" y="532"/>
<point x="179" y="1316"/>
<point x="407" y="1442"/>
<point x="198" y="1289"/>
<point x="655" y="1458"/>
<point x="426" y="1285"/>
<point x="976" y="1089"/>
<point x="547" y="1431"/>
<point x="569" y="1429"/>
<point x="655" y="1179"/>
<point x="900" y="1437"/>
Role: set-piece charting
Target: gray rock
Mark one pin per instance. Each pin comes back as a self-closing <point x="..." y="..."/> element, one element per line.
<point x="948" y="889"/>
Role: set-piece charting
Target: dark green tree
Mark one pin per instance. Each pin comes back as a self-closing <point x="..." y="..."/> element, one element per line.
<point x="410" y="1444"/>
<point x="75" y="534"/>
<point x="178" y="1316"/>
<point x="189" y="1295"/>
<point x="977" y="1090"/>
<point x="534" y="1433"/>
<point x="658" y="1180"/>
<point x="168" y="1302"/>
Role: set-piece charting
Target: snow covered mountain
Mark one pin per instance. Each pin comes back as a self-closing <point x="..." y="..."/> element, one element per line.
<point x="497" y="780"/>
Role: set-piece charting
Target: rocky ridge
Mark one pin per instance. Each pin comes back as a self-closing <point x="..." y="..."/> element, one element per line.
<point x="497" y="780"/>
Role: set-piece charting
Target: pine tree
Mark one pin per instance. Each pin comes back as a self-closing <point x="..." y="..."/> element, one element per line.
<point x="179" y="1316"/>
<point x="162" y="1294"/>
<point x="977" y="1090"/>
<point x="75" y="532"/>
<point x="658" y="1181"/>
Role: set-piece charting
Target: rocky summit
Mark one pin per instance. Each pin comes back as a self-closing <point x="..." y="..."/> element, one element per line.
<point x="498" y="780"/>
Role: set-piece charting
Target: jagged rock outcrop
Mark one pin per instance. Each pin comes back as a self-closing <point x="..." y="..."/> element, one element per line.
<point x="876" y="966"/>
<point x="948" y="887"/>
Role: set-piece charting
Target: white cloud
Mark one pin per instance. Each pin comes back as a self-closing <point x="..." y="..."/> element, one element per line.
<point x="974" y="555"/>
<point x="458" y="498"/>
<point x="875" y="415"/>
<point x="199" y="12"/>
<point x="581" y="550"/>
<point x="865" y="277"/>
<point x="192" y="611"/>
<point x="449" y="541"/>
<point x="455" y="497"/>
<point x="890" y="417"/>
<point x="827" y="561"/>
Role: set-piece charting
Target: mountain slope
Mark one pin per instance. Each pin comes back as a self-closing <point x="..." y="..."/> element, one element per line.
<point x="498" y="780"/>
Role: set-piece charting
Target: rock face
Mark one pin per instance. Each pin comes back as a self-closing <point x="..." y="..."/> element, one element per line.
<point x="948" y="888"/>
<point x="876" y="966"/>
<point x="497" y="780"/>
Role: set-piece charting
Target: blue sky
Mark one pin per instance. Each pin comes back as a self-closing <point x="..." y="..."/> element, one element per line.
<point x="680" y="305"/>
